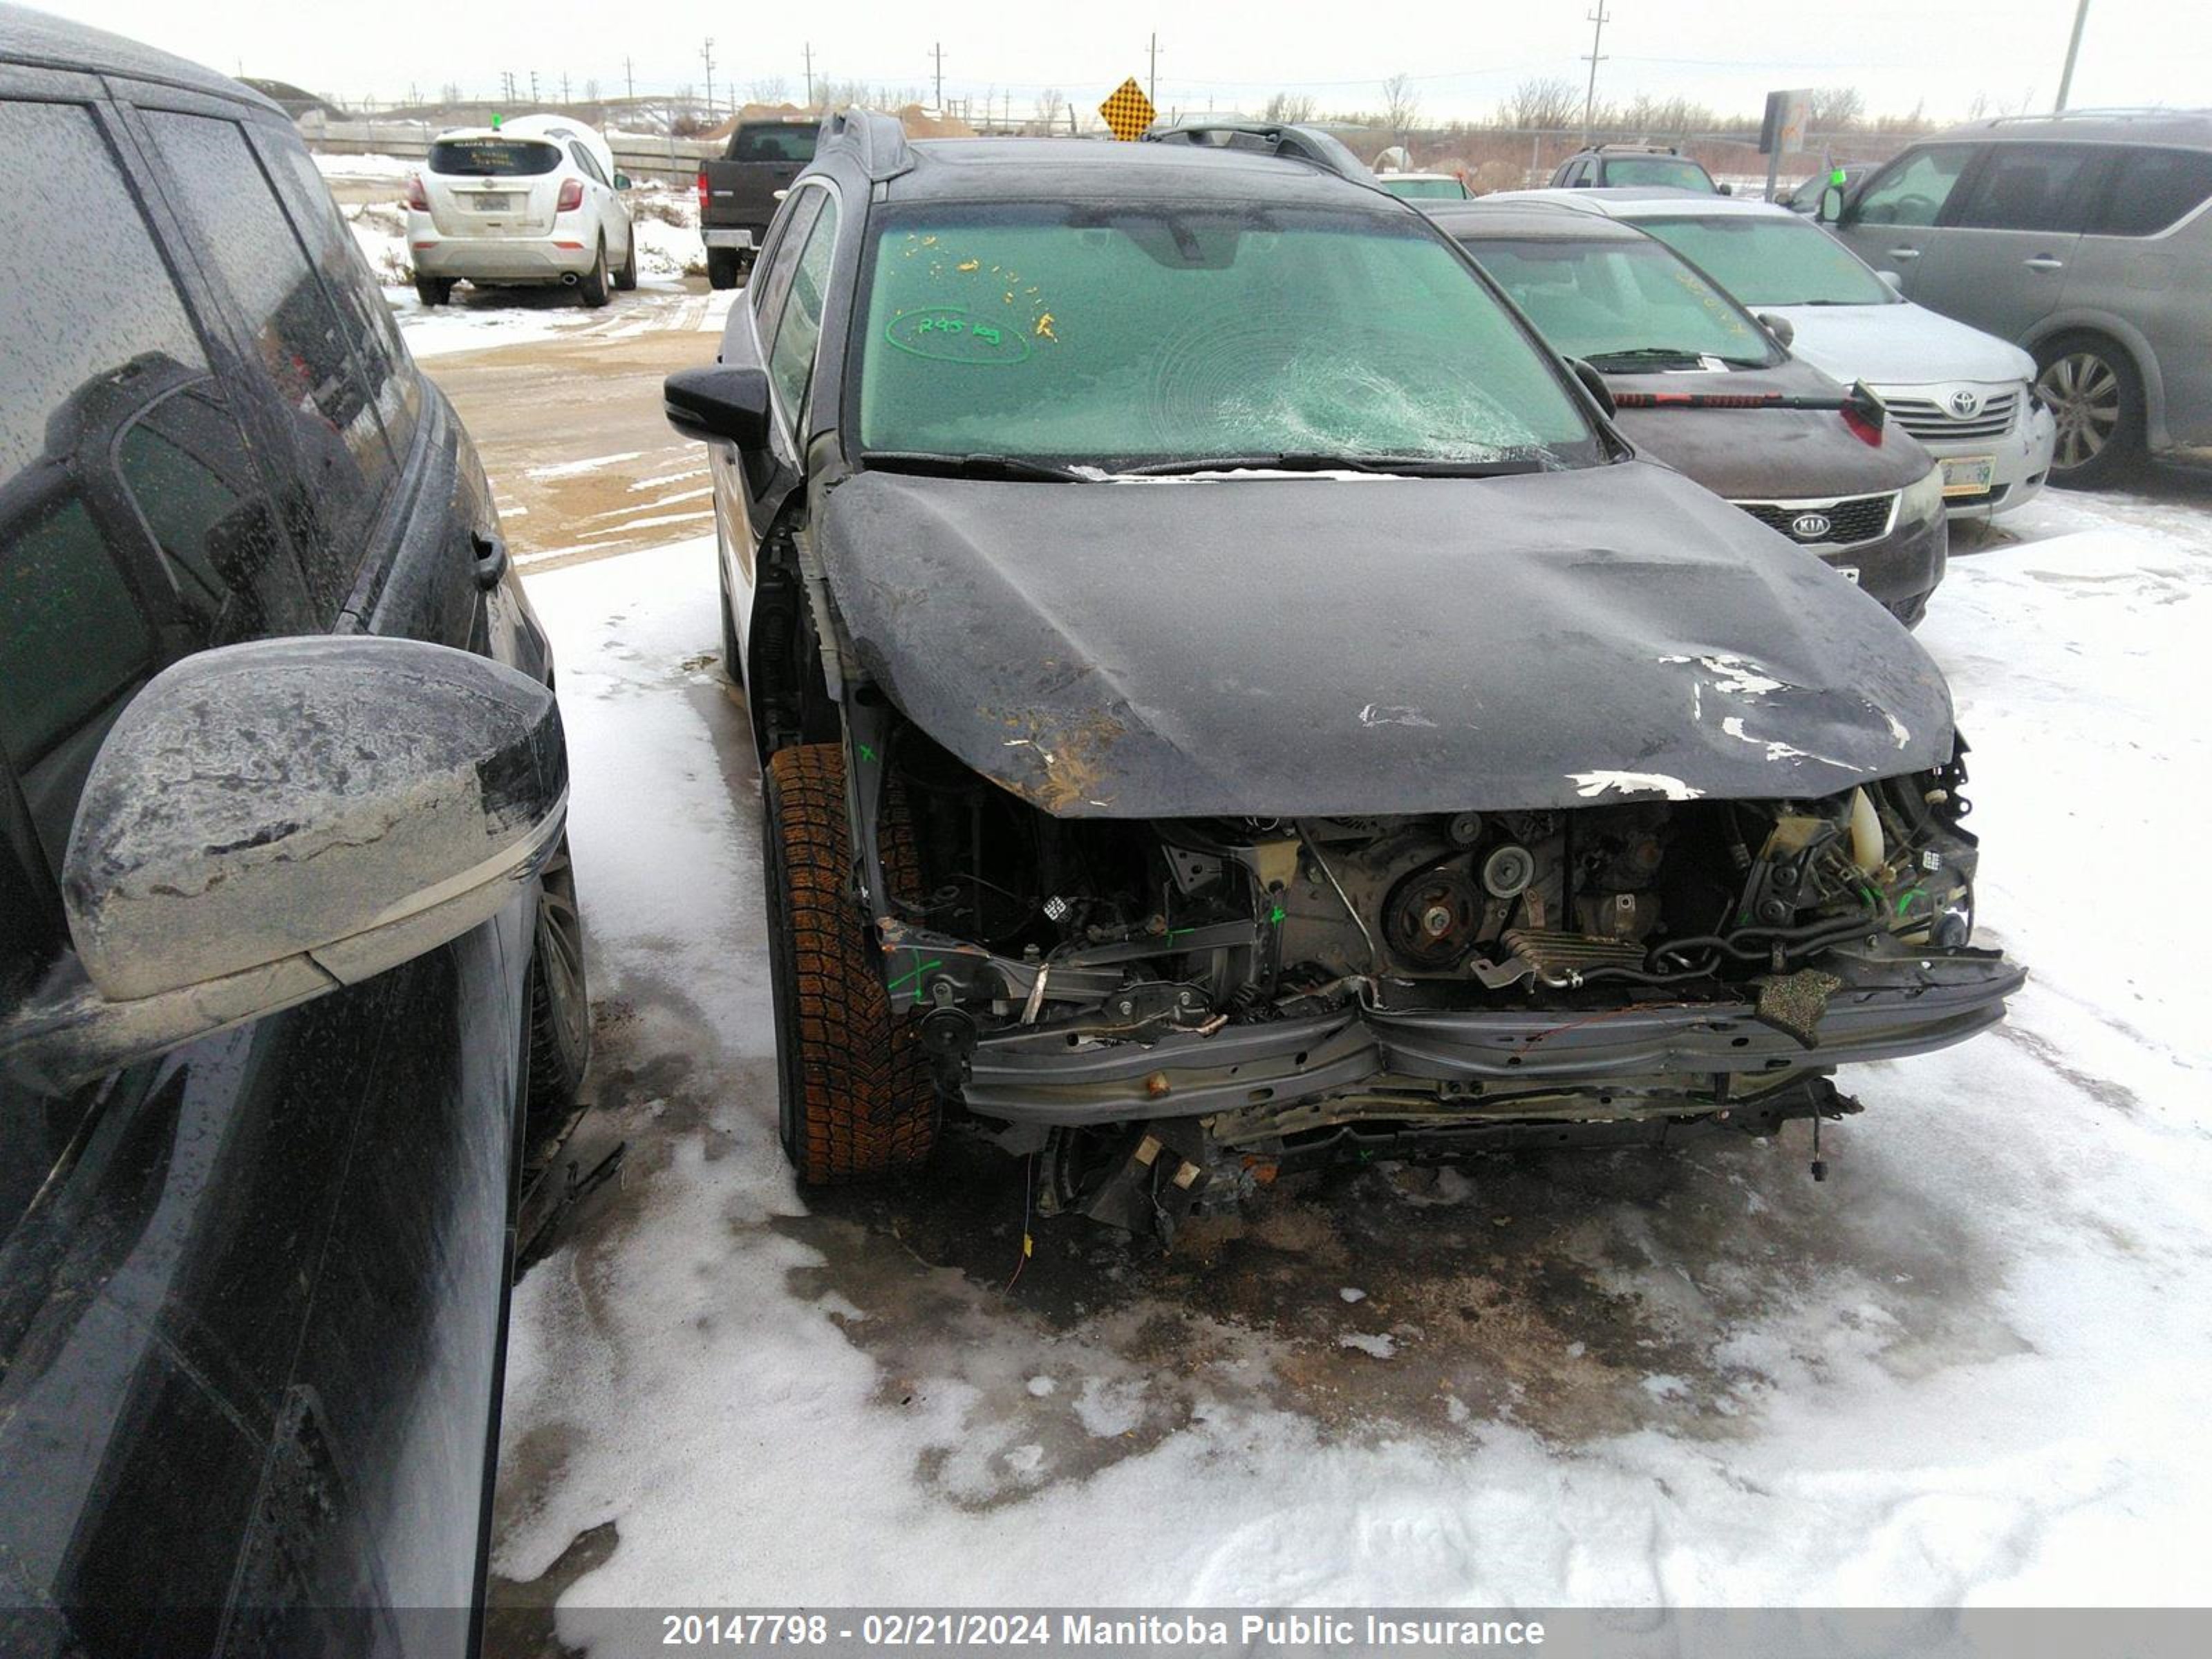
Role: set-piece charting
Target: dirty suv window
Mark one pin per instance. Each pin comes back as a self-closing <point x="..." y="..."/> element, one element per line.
<point x="491" y="158"/>
<point x="1115" y="335"/>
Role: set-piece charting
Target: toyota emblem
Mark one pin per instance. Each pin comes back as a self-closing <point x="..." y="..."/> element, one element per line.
<point x="1810" y="527"/>
<point x="1965" y="404"/>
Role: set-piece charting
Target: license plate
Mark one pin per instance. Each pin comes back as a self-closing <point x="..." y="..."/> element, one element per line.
<point x="492" y="201"/>
<point x="1969" y="475"/>
<point x="1848" y="571"/>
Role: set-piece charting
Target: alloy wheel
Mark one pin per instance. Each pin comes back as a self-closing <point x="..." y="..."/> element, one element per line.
<point x="561" y="939"/>
<point x="2083" y="392"/>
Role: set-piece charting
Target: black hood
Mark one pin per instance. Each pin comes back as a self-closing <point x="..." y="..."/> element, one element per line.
<point x="1304" y="646"/>
<point x="1767" y="454"/>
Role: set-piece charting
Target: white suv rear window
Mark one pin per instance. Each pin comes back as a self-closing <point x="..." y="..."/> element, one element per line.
<point x="492" y="158"/>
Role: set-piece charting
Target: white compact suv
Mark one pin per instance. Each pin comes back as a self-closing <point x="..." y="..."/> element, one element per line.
<point x="531" y="202"/>
<point x="1968" y="397"/>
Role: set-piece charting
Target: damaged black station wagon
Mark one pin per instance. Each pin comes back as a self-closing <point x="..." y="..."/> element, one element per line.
<point x="1230" y="699"/>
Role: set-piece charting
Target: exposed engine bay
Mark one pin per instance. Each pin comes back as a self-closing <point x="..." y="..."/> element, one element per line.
<point x="1258" y="988"/>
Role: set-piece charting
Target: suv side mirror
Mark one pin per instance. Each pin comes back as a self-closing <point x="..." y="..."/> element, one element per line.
<point x="724" y="402"/>
<point x="1781" y="328"/>
<point x="269" y="822"/>
<point x="1893" y="281"/>
<point x="1832" y="206"/>
<point x="1724" y="189"/>
<point x="1594" y="383"/>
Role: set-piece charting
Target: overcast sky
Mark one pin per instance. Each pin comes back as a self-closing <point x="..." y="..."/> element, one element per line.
<point x="1465" y="54"/>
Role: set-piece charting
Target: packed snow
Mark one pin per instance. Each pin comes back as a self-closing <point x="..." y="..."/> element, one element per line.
<point x="1973" y="1366"/>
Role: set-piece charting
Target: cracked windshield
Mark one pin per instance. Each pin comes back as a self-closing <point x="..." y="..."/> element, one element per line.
<point x="1123" y="336"/>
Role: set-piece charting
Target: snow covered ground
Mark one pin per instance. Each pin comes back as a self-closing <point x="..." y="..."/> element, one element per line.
<point x="1974" y="1366"/>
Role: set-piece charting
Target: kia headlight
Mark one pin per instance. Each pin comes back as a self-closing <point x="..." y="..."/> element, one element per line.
<point x="1923" y="501"/>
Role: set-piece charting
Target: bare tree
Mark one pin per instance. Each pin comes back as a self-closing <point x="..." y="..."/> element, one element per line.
<point x="591" y="92"/>
<point x="1836" y="109"/>
<point x="1401" y="106"/>
<point x="1548" y="102"/>
<point x="1290" y="107"/>
<point x="1050" y="103"/>
<point x="768" y="89"/>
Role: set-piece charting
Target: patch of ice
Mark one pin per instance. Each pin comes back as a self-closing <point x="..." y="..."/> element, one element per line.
<point x="1379" y="1344"/>
<point x="1352" y="1294"/>
<point x="572" y="468"/>
<point x="1106" y="1408"/>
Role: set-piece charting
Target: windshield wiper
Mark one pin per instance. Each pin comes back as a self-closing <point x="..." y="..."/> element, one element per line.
<point x="970" y="467"/>
<point x="1408" y="466"/>
<point x="1646" y="355"/>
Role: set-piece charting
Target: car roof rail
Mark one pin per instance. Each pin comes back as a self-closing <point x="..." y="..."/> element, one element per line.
<point x="1293" y="139"/>
<point x="2108" y="112"/>
<point x="877" y="140"/>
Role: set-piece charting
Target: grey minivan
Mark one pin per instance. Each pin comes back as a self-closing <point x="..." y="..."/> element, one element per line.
<point x="2085" y="237"/>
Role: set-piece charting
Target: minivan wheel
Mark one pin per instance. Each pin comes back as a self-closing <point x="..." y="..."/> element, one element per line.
<point x="852" y="1090"/>
<point x="626" y="278"/>
<point x="594" y="288"/>
<point x="559" y="1002"/>
<point x="2094" y="390"/>
<point x="721" y="267"/>
<point x="434" y="290"/>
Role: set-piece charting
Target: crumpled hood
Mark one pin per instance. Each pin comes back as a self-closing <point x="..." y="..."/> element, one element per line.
<point x="1291" y="646"/>
<point x="1902" y="344"/>
<point x="1767" y="454"/>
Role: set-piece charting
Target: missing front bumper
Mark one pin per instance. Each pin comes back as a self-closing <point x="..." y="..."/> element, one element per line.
<point x="1623" y="1061"/>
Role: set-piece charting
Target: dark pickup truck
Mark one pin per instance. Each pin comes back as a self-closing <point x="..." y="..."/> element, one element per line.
<point x="738" y="194"/>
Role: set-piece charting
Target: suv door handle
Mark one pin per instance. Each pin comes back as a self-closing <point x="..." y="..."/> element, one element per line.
<point x="2044" y="262"/>
<point x="1904" y="253"/>
<point x="491" y="557"/>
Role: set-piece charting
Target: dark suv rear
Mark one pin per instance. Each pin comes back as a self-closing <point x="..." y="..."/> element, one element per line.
<point x="740" y="190"/>
<point x="287" y="937"/>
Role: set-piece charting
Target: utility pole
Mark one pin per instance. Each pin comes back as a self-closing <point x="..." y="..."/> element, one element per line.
<point x="1152" y="72"/>
<point x="2073" y="50"/>
<point x="1597" y="34"/>
<point x="707" y="53"/>
<point x="809" y="51"/>
<point x="938" y="51"/>
<point x="533" y="88"/>
<point x="629" y="80"/>
<point x="564" y="86"/>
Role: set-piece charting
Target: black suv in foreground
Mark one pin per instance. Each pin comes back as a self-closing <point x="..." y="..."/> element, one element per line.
<point x="1231" y="699"/>
<point x="289" y="950"/>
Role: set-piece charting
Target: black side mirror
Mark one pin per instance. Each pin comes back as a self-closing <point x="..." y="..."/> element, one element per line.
<point x="1594" y="383"/>
<point x="1782" y="330"/>
<point x="1832" y="206"/>
<point x="1725" y="190"/>
<point x="720" y="404"/>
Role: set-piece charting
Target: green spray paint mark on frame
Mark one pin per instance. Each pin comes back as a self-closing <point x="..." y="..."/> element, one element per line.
<point x="934" y="962"/>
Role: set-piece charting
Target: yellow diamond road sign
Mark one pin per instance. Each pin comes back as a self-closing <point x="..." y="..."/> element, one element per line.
<point x="1128" y="111"/>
